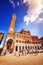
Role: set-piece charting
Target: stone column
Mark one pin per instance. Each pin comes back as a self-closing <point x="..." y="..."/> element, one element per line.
<point x="18" y="48"/>
<point x="21" y="48"/>
<point x="24" y="50"/>
<point x="27" y="49"/>
<point x="14" y="51"/>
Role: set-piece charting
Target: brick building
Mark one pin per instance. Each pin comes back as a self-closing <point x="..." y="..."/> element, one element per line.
<point x="21" y="42"/>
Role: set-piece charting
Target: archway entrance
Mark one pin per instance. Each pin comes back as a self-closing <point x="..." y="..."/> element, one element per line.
<point x="10" y="46"/>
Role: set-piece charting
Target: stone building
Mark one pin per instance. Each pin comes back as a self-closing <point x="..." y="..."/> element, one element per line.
<point x="1" y="37"/>
<point x="22" y="42"/>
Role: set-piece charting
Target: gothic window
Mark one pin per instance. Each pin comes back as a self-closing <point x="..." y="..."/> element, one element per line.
<point x="22" y="41"/>
<point x="19" y="41"/>
<point x="16" y="40"/>
<point x="16" y="48"/>
<point x="23" y="47"/>
<point x="26" y="47"/>
<point x="35" y="47"/>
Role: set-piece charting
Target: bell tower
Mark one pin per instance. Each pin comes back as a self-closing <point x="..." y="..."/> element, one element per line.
<point x="9" y="41"/>
<point x="12" y="24"/>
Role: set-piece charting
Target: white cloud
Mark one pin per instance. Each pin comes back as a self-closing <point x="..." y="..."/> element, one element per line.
<point x="18" y="4"/>
<point x="12" y="2"/>
<point x="34" y="9"/>
<point x="40" y="19"/>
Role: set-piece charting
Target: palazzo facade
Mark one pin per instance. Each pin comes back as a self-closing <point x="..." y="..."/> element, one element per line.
<point x="18" y="43"/>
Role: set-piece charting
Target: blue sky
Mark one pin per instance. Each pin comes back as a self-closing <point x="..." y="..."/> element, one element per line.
<point x="7" y="9"/>
<point x="6" y="12"/>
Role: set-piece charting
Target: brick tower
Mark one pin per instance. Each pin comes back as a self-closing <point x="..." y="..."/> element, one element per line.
<point x="9" y="41"/>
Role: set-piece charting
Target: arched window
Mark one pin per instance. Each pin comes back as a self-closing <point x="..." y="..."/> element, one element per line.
<point x="26" y="47"/>
<point x="23" y="47"/>
<point x="10" y="45"/>
<point x="35" y="47"/>
<point x="17" y="41"/>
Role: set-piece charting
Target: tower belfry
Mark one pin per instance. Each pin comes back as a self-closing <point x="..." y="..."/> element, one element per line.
<point x="12" y="24"/>
<point x="9" y="41"/>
